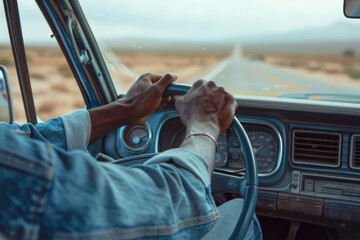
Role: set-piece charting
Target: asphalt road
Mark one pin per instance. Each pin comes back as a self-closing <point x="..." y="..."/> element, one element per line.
<point x="243" y="76"/>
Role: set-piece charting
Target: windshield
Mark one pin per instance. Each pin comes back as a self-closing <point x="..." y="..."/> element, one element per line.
<point x="259" y="48"/>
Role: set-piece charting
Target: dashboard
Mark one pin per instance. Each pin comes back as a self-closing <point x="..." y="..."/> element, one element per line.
<point x="307" y="153"/>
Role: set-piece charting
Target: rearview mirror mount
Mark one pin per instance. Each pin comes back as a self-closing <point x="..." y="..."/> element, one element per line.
<point x="6" y="105"/>
<point x="352" y="8"/>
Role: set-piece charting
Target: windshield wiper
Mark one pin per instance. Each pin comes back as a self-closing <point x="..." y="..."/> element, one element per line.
<point x="334" y="97"/>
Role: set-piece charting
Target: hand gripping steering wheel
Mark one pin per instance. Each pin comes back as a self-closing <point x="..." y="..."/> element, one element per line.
<point x="246" y="186"/>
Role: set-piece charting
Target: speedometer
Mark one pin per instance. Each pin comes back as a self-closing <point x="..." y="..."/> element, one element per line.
<point x="266" y="147"/>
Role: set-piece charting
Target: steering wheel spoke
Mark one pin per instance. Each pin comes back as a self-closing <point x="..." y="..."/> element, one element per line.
<point x="222" y="183"/>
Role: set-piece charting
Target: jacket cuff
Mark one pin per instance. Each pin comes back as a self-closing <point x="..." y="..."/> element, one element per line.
<point x="77" y="129"/>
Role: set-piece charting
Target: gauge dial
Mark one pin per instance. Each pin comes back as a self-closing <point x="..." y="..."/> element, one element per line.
<point x="265" y="150"/>
<point x="222" y="153"/>
<point x="222" y="150"/>
<point x="137" y="137"/>
<point x="265" y="147"/>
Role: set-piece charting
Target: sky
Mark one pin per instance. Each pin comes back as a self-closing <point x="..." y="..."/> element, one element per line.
<point x="209" y="19"/>
<point x="200" y="20"/>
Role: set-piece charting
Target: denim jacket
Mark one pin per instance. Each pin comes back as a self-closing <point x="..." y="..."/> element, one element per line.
<point x="51" y="188"/>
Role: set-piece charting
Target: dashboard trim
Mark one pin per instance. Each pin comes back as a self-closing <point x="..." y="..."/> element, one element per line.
<point x="157" y="134"/>
<point x="351" y="152"/>
<point x="290" y="104"/>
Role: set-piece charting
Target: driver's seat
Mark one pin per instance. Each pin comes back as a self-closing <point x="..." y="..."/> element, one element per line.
<point x="229" y="214"/>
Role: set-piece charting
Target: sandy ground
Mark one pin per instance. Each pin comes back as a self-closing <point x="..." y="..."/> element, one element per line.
<point x="328" y="69"/>
<point x="55" y="89"/>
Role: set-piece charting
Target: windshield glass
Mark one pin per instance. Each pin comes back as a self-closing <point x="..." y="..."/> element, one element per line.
<point x="259" y="47"/>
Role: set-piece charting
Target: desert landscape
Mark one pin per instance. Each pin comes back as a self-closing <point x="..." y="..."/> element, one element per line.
<point x="55" y="89"/>
<point x="56" y="92"/>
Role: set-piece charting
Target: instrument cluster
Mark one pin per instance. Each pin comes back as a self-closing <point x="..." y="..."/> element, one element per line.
<point x="265" y="139"/>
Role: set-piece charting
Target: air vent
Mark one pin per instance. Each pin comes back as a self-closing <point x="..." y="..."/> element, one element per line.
<point x="355" y="152"/>
<point x="316" y="148"/>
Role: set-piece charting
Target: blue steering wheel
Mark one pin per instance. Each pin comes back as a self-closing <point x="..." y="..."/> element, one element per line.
<point x="246" y="186"/>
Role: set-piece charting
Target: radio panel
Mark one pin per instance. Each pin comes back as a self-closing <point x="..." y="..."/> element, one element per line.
<point x="328" y="186"/>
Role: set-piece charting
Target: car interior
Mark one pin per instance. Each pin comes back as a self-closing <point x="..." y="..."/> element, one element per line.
<point x="293" y="157"/>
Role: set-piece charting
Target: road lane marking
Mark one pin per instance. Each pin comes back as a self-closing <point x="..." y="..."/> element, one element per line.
<point x="278" y="82"/>
<point x="217" y="70"/>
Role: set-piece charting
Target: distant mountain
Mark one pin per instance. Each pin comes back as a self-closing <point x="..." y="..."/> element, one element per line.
<point x="321" y="47"/>
<point x="333" y="39"/>
<point x="338" y="31"/>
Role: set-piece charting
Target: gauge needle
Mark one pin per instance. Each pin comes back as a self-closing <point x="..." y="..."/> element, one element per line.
<point x="258" y="149"/>
<point x="136" y="139"/>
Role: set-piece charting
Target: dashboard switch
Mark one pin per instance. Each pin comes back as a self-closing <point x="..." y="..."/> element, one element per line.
<point x="295" y="182"/>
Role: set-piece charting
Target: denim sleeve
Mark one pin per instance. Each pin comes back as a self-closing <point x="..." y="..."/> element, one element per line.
<point x="69" y="132"/>
<point x="69" y="195"/>
<point x="185" y="159"/>
<point x="100" y="201"/>
<point x="51" y="131"/>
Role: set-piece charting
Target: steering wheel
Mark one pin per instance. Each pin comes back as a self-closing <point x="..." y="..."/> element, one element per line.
<point x="246" y="186"/>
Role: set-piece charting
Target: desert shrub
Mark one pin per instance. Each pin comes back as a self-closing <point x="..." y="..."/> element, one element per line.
<point x="60" y="87"/>
<point x="6" y="61"/>
<point x="282" y="63"/>
<point x="349" y="53"/>
<point x="37" y="75"/>
<point x="354" y="73"/>
<point x="65" y="70"/>
<point x="295" y="64"/>
<point x="47" y="106"/>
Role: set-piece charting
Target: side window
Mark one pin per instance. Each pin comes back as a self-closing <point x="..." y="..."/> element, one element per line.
<point x="53" y="84"/>
<point x="54" y="87"/>
<point x="7" y="60"/>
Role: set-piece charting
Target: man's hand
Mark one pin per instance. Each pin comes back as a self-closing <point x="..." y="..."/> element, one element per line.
<point x="205" y="108"/>
<point x="144" y="98"/>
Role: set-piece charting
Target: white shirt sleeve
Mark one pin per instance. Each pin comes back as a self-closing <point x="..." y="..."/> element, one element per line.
<point x="77" y="129"/>
<point x="186" y="159"/>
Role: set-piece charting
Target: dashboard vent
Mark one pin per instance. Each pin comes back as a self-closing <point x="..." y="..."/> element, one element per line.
<point x="316" y="148"/>
<point x="355" y="152"/>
